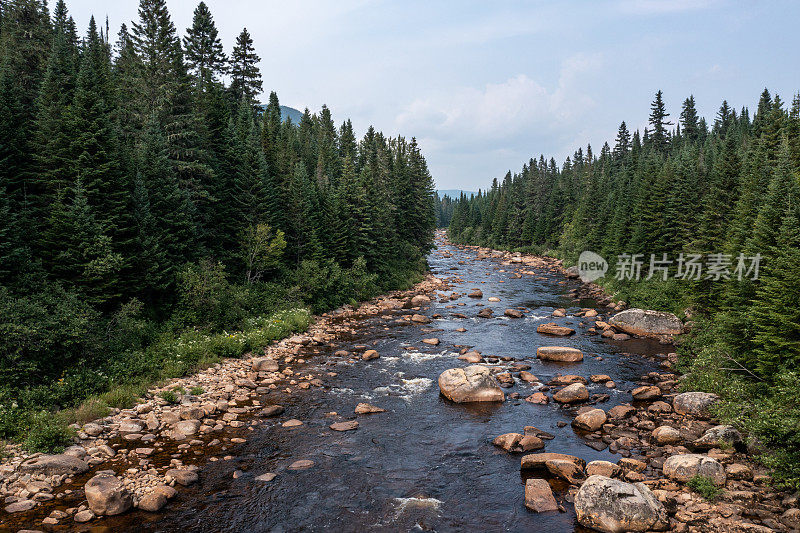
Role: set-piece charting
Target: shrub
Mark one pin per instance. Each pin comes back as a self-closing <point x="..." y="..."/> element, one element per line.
<point x="196" y="391"/>
<point x="705" y="487"/>
<point x="168" y="396"/>
<point x="48" y="433"/>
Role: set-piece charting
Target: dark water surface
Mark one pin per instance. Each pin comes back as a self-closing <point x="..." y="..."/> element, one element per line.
<point x="426" y="464"/>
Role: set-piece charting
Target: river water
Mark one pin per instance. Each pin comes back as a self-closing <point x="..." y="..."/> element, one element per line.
<point x="425" y="464"/>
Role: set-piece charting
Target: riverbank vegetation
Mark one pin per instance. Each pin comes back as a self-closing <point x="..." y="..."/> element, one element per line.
<point x="725" y="190"/>
<point x="155" y="217"/>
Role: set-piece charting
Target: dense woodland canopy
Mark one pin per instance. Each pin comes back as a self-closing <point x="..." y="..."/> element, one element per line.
<point x="141" y="182"/>
<point x="683" y="186"/>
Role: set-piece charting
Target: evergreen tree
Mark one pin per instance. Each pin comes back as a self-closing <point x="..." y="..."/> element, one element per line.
<point x="204" y="53"/>
<point x="245" y="76"/>
<point x="659" y="136"/>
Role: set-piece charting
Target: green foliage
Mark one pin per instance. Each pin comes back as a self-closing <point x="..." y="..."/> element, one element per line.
<point x="168" y="396"/>
<point x="48" y="433"/>
<point x="147" y="210"/>
<point x="196" y="390"/>
<point x="705" y="487"/>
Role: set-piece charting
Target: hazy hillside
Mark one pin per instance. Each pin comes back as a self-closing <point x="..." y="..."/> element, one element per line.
<point x="453" y="193"/>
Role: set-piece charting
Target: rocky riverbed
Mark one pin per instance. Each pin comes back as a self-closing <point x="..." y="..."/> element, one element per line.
<point x="578" y="423"/>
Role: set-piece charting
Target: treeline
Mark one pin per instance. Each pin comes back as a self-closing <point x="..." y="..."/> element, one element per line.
<point x="143" y="180"/>
<point x="444" y="210"/>
<point x="722" y="190"/>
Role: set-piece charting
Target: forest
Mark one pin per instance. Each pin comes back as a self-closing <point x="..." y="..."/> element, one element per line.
<point x="727" y="189"/>
<point x="156" y="217"/>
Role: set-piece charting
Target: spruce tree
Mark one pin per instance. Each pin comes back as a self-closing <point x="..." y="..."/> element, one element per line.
<point x="659" y="136"/>
<point x="205" y="56"/>
<point x="245" y="76"/>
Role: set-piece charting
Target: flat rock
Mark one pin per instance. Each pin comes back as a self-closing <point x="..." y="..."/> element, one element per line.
<point x="561" y="354"/>
<point x="552" y="329"/>
<point x="269" y="476"/>
<point x="645" y="323"/>
<point x="366" y="409"/>
<point x="264" y="364"/>
<point x="348" y="425"/>
<point x="433" y="341"/>
<point x="513" y="313"/>
<point x="20" y="506"/>
<point x="271" y="410"/>
<point x="55" y="465"/>
<point x="539" y="496"/>
<point x="301" y="464"/>
<point x="647" y="392"/>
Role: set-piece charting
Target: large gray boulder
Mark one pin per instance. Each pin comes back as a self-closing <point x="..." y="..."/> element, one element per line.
<point x="646" y="323"/>
<point x="684" y="467"/>
<point x="474" y="383"/>
<point x="614" y="506"/>
<point x="107" y="495"/>
<point x="55" y="465"/>
<point x="694" y="403"/>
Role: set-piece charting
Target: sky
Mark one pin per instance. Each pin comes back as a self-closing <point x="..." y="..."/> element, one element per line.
<point x="485" y="86"/>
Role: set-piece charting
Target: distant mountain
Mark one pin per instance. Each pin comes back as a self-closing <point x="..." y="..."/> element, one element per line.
<point x="288" y="112"/>
<point x="454" y="193"/>
<point x="292" y="113"/>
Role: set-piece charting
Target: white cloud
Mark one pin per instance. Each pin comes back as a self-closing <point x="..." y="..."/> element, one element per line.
<point x="504" y="122"/>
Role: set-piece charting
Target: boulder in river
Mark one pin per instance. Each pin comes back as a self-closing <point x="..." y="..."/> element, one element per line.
<point x="474" y="383"/>
<point x="477" y="293"/>
<point x="107" y="496"/>
<point x="366" y="409"/>
<point x="684" y="467"/>
<point x="561" y="354"/>
<point x="369" y="355"/>
<point x="614" y="506"/>
<point x="486" y="312"/>
<point x="694" y="403"/>
<point x="514" y="313"/>
<point x="539" y="496"/>
<point x="645" y="323"/>
<point x="646" y="392"/>
<point x="515" y="442"/>
<point x="577" y="392"/>
<point x="54" y="465"/>
<point x="667" y="435"/>
<point x="551" y="328"/>
<point x="591" y="420"/>
<point x="564" y="466"/>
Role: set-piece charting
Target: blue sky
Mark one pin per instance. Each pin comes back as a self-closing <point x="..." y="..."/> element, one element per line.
<point x="484" y="86"/>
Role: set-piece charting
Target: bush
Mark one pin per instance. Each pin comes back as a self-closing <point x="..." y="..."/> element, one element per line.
<point x="705" y="487"/>
<point x="169" y="396"/>
<point x="196" y="391"/>
<point x="48" y="433"/>
<point x="34" y="327"/>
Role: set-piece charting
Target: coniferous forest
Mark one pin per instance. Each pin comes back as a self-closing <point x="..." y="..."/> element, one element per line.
<point x="684" y="186"/>
<point x="150" y="205"/>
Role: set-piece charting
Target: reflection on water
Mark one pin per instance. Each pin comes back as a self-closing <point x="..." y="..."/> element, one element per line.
<point x="425" y="464"/>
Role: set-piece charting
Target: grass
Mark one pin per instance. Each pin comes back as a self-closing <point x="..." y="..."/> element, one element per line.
<point x="172" y="356"/>
<point x="705" y="487"/>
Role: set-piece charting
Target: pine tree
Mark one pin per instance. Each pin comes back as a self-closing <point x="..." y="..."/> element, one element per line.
<point x="245" y="76"/>
<point x="689" y="120"/>
<point x="204" y="53"/>
<point x="659" y="136"/>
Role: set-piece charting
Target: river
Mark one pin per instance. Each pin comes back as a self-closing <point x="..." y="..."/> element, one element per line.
<point x="425" y="464"/>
